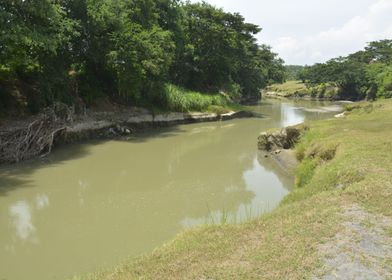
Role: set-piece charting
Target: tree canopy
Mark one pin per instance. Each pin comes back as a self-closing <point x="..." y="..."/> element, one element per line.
<point x="127" y="50"/>
<point x="364" y="74"/>
<point x="292" y="72"/>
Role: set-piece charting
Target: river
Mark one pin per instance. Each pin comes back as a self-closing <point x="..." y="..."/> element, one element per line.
<point x="92" y="205"/>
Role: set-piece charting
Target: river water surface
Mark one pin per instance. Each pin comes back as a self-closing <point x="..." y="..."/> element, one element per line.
<point x="92" y="205"/>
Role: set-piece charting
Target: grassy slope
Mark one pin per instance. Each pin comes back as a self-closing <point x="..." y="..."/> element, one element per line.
<point x="178" y="99"/>
<point x="343" y="161"/>
<point x="289" y="88"/>
<point x="298" y="89"/>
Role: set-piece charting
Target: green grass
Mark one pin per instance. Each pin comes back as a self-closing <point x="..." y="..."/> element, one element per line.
<point x="289" y="89"/>
<point x="178" y="99"/>
<point x="298" y="89"/>
<point x="351" y="163"/>
<point x="389" y="231"/>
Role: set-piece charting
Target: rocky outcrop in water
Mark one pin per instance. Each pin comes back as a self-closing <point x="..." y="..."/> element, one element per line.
<point x="285" y="138"/>
<point x="278" y="145"/>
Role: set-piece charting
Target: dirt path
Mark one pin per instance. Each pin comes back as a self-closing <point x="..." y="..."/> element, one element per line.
<point x="362" y="250"/>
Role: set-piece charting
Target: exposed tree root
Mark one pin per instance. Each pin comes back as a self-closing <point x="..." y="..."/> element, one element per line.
<point x="36" y="137"/>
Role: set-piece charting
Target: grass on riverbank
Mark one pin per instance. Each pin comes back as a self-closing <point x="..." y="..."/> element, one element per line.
<point x="289" y="89"/>
<point x="178" y="99"/>
<point x="344" y="161"/>
<point x="173" y="99"/>
<point x="297" y="89"/>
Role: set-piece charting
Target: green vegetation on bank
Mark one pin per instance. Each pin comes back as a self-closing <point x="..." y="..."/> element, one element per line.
<point x="78" y="51"/>
<point x="343" y="161"/>
<point x="364" y="74"/>
<point x="289" y="89"/>
<point x="181" y="100"/>
<point x="297" y="89"/>
<point x="292" y="72"/>
<point x="349" y="157"/>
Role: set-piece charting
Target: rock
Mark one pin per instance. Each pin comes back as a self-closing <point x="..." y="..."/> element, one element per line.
<point x="278" y="152"/>
<point x="127" y="131"/>
<point x="286" y="138"/>
<point x="292" y="136"/>
<point x="264" y="142"/>
<point x="342" y="115"/>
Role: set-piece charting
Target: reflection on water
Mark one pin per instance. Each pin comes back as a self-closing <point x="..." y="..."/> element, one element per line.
<point x="291" y="115"/>
<point x="258" y="181"/>
<point x="95" y="204"/>
<point x="42" y="201"/>
<point x="21" y="218"/>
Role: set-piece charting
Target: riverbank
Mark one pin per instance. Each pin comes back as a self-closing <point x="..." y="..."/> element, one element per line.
<point x="335" y="222"/>
<point x="299" y="90"/>
<point x="278" y="146"/>
<point x="111" y="125"/>
<point x="36" y="136"/>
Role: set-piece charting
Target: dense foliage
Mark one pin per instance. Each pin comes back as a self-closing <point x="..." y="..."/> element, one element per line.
<point x="292" y="72"/>
<point x="364" y="74"/>
<point x="76" y="51"/>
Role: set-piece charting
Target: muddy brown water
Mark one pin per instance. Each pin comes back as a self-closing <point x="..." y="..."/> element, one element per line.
<point x="93" y="205"/>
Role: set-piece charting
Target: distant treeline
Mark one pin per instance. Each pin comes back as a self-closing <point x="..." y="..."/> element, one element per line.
<point x="364" y="74"/>
<point x="292" y="72"/>
<point x="127" y="50"/>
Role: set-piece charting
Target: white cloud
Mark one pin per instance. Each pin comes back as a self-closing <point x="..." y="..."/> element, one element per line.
<point x="374" y="24"/>
<point x="308" y="31"/>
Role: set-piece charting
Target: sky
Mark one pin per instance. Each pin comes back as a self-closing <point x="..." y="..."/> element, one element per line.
<point x="309" y="31"/>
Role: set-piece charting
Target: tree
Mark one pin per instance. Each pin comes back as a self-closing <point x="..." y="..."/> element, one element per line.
<point x="78" y="51"/>
<point x="380" y="51"/>
<point x="219" y="52"/>
<point x="365" y="73"/>
<point x="35" y="37"/>
<point x="292" y="72"/>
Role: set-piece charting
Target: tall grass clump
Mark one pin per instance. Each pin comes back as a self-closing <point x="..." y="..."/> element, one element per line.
<point x="182" y="100"/>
